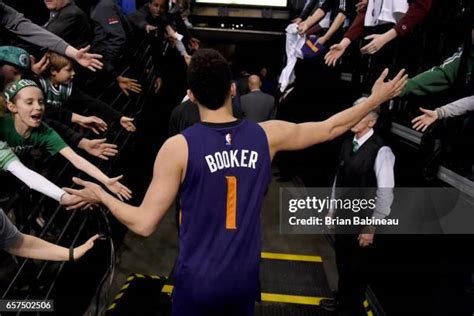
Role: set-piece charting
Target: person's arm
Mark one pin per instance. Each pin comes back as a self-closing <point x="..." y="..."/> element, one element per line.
<point x="168" y="173"/>
<point x="95" y="147"/>
<point x="82" y="164"/>
<point x="355" y="30"/>
<point x="32" y="247"/>
<point x="20" y="26"/>
<point x="115" y="37"/>
<point x="453" y="109"/>
<point x="307" y="9"/>
<point x="81" y="100"/>
<point x="84" y="58"/>
<point x="456" y="108"/>
<point x="285" y="136"/>
<point x="311" y="20"/>
<point x="357" y="27"/>
<point x="383" y="168"/>
<point x="417" y="12"/>
<point x="336" y="25"/>
<point x="34" y="180"/>
<point x="72" y="137"/>
<point x="17" y="24"/>
<point x="436" y="79"/>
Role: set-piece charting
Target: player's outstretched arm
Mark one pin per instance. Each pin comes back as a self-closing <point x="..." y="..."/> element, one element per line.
<point x="285" y="136"/>
<point x="168" y="172"/>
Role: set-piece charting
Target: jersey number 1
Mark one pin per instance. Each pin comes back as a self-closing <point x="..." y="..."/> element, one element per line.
<point x="231" y="216"/>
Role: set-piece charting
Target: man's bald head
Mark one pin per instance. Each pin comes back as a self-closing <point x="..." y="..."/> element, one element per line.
<point x="254" y="82"/>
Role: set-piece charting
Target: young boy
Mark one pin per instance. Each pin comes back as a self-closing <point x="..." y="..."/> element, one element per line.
<point x="28" y="246"/>
<point x="15" y="64"/>
<point x="22" y="129"/>
<point x="222" y="168"/>
<point x="62" y="96"/>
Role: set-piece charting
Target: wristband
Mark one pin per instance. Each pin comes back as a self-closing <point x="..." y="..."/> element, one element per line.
<point x="71" y="254"/>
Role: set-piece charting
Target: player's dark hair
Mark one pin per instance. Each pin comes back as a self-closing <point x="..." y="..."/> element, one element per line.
<point x="209" y="78"/>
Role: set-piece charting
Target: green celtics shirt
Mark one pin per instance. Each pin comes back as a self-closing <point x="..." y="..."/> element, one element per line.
<point x="55" y="97"/>
<point x="42" y="137"/>
<point x="6" y="155"/>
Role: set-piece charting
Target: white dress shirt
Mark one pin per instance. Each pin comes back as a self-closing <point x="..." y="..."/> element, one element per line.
<point x="383" y="168"/>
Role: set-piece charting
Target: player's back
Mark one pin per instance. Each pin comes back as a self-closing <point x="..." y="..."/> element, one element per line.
<point x="228" y="172"/>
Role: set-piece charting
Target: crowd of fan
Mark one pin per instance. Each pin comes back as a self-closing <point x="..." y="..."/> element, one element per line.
<point x="52" y="78"/>
<point x="52" y="75"/>
<point x="364" y="37"/>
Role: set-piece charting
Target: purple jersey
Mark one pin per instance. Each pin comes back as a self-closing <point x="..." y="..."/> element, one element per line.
<point x="227" y="175"/>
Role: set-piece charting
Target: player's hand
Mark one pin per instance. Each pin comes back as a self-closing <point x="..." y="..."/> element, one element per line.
<point x="88" y="60"/>
<point x="90" y="193"/>
<point x="336" y="51"/>
<point x="128" y="84"/>
<point x="384" y="91"/>
<point x="121" y="191"/>
<point x="85" y="247"/>
<point x="425" y="120"/>
<point x="99" y="148"/>
<point x="40" y="66"/>
<point x="127" y="123"/>
<point x="365" y="240"/>
<point x="93" y="123"/>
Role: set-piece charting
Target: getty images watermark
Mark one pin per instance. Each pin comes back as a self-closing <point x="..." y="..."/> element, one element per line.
<point x="389" y="211"/>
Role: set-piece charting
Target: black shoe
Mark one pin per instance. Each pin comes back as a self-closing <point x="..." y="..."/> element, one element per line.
<point x="329" y="304"/>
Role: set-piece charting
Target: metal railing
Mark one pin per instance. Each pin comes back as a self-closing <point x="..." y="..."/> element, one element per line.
<point x="66" y="228"/>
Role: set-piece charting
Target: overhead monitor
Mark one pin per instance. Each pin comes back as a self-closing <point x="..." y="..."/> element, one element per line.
<point x="260" y="3"/>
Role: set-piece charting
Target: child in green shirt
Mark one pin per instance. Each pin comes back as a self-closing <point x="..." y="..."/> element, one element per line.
<point x="15" y="64"/>
<point x="22" y="128"/>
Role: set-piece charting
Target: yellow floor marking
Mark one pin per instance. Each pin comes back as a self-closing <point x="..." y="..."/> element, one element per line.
<point x="286" y="256"/>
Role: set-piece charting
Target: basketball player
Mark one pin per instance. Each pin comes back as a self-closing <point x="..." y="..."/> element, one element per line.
<point x="221" y="168"/>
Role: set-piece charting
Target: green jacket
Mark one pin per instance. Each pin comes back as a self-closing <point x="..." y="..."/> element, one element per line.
<point x="438" y="78"/>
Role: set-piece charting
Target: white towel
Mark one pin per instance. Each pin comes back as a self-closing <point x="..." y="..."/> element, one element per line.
<point x="294" y="43"/>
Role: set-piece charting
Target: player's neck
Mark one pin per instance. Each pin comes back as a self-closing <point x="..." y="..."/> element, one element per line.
<point x="221" y="115"/>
